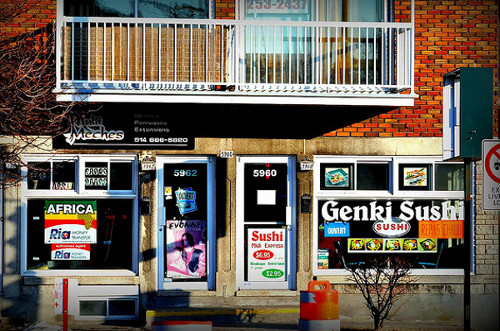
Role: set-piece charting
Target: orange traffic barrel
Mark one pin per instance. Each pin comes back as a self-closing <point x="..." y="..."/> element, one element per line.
<point x="319" y="308"/>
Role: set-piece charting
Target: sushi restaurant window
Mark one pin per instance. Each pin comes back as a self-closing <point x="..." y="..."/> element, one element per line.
<point x="402" y="207"/>
<point x="368" y="175"/>
<point x="79" y="215"/>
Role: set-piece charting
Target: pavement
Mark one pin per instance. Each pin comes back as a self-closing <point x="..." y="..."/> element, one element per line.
<point x="228" y="319"/>
<point x="41" y="326"/>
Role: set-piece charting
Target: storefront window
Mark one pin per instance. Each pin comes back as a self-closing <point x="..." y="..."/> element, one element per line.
<point x="449" y="177"/>
<point x="372" y="176"/>
<point x="427" y="232"/>
<point x="415" y="177"/>
<point x="112" y="176"/>
<point x="337" y="176"/>
<point x="79" y="234"/>
<point x="417" y="215"/>
<point x="80" y="213"/>
<point x="55" y="175"/>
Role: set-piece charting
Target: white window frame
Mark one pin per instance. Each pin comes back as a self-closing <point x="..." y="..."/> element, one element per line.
<point x="393" y="193"/>
<point x="78" y="293"/>
<point x="77" y="193"/>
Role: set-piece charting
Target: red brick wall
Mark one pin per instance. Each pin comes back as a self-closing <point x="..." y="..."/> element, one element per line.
<point x="225" y="9"/>
<point x="448" y="35"/>
<point x="37" y="14"/>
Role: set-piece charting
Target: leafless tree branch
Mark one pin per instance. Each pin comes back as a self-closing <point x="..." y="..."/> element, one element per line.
<point x="382" y="282"/>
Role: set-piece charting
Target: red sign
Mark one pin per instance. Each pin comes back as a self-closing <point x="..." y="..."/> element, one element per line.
<point x="441" y="229"/>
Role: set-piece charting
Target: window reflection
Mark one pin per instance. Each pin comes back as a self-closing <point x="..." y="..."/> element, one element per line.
<point x="145" y="8"/>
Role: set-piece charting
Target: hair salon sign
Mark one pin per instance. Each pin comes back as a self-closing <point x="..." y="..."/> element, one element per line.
<point x="125" y="129"/>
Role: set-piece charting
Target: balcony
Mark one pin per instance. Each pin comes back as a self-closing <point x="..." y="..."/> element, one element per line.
<point x="235" y="61"/>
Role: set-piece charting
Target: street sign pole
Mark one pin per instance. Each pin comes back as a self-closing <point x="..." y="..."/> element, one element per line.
<point x="467" y="240"/>
<point x="65" y="304"/>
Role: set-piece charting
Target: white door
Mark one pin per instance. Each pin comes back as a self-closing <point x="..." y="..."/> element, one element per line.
<point x="266" y="223"/>
<point x="186" y="223"/>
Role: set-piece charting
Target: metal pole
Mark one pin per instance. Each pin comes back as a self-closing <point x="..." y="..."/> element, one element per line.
<point x="65" y="304"/>
<point x="467" y="241"/>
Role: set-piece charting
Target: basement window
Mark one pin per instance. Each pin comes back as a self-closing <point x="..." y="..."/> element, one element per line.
<point x="108" y="308"/>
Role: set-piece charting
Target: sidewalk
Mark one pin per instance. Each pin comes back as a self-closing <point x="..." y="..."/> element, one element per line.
<point x="260" y="319"/>
<point x="233" y="319"/>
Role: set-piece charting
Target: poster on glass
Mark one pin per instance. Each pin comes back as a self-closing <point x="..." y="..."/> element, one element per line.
<point x="186" y="249"/>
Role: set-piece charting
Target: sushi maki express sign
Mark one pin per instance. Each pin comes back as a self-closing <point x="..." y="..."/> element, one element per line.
<point x="391" y="225"/>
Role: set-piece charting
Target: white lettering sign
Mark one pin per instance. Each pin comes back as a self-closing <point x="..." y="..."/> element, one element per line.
<point x="382" y="210"/>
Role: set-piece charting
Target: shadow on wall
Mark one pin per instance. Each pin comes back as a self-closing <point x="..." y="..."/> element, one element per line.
<point x="255" y="121"/>
<point x="20" y="300"/>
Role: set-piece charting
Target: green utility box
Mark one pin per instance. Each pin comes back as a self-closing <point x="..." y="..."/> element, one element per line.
<point x="467" y="112"/>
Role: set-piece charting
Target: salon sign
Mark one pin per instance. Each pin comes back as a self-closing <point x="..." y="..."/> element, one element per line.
<point x="70" y="222"/>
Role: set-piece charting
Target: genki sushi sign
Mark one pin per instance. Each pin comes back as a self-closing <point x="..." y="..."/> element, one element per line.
<point x="392" y="225"/>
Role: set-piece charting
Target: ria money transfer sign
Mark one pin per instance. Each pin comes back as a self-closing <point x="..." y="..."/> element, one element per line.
<point x="70" y="222"/>
<point x="266" y="254"/>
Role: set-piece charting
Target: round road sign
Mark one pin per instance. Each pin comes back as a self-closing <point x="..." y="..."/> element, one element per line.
<point x="492" y="163"/>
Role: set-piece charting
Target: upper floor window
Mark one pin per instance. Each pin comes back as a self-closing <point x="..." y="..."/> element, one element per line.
<point x="352" y="10"/>
<point x="138" y="8"/>
<point x="321" y="10"/>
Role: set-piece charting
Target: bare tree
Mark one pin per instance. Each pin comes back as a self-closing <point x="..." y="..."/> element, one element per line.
<point x="382" y="281"/>
<point x="28" y="107"/>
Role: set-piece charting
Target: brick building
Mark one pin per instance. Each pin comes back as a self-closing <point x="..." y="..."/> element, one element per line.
<point x="250" y="126"/>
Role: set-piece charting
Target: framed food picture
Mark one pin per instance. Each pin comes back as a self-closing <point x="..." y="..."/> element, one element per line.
<point x="337" y="176"/>
<point x="414" y="177"/>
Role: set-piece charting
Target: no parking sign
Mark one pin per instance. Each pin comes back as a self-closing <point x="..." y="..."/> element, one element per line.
<point x="491" y="174"/>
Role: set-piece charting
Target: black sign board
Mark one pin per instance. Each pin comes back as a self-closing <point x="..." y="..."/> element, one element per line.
<point x="126" y="129"/>
<point x="266" y="197"/>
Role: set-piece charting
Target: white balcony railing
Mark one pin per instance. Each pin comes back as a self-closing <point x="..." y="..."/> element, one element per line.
<point x="129" y="55"/>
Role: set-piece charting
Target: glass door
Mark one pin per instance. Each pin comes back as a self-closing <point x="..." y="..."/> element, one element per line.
<point x="266" y="223"/>
<point x="186" y="226"/>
